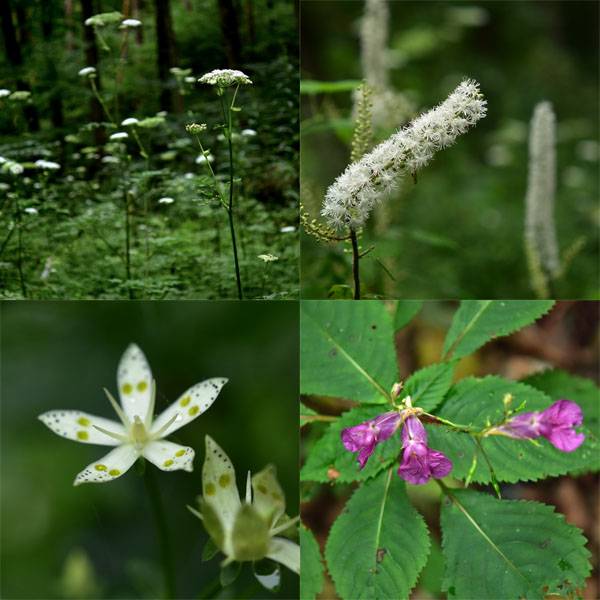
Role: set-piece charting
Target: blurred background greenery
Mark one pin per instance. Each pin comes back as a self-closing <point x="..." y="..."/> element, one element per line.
<point x="458" y="233"/>
<point x="99" y="541"/>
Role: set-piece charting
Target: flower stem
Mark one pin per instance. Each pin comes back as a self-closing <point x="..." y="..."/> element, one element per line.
<point x="20" y="248"/>
<point x="355" y="259"/>
<point x="160" y="521"/>
<point x="99" y="98"/>
<point x="230" y="208"/>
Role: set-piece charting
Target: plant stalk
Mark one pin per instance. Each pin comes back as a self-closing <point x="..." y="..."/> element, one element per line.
<point x="355" y="259"/>
<point x="160" y="521"/>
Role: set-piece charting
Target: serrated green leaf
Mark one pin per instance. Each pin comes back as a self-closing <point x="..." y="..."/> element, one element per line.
<point x="307" y="414"/>
<point x="509" y="549"/>
<point x="428" y="386"/>
<point x="405" y="312"/>
<point x="379" y="543"/>
<point x="329" y="451"/>
<point x="311" y="569"/>
<point x="347" y="350"/>
<point x="476" y="322"/>
<point x="472" y="401"/>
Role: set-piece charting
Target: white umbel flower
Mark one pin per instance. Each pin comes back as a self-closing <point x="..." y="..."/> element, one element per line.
<point x="351" y="197"/>
<point x="87" y="71"/>
<point x="540" y="233"/>
<point x="120" y="135"/>
<point x="139" y="433"/>
<point x="129" y="121"/>
<point x="225" y="77"/>
<point x="130" y="23"/>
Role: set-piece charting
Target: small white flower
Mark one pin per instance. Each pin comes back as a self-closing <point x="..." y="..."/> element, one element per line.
<point x="189" y="176"/>
<point x="4" y="92"/>
<point x="30" y="210"/>
<point x="205" y="157"/>
<point x="161" y="113"/>
<point x="225" y="77"/>
<point x="189" y="79"/>
<point x="87" y="71"/>
<point x="129" y="121"/>
<point x="248" y="132"/>
<point x="46" y="164"/>
<point x="268" y="257"/>
<point x="287" y="229"/>
<point x="108" y="159"/>
<point x="120" y="135"/>
<point x="166" y="200"/>
<point x="130" y="23"/>
<point x="244" y="531"/>
<point x="15" y="168"/>
<point x="137" y="434"/>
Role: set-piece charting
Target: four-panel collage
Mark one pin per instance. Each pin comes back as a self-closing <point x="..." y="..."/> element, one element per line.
<point x="299" y="299"/>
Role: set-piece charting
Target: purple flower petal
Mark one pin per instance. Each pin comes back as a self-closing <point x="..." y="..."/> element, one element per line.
<point x="366" y="436"/>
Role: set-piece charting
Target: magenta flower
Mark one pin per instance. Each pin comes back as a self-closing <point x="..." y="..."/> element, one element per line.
<point x="419" y="462"/>
<point x="556" y="424"/>
<point x="366" y="436"/>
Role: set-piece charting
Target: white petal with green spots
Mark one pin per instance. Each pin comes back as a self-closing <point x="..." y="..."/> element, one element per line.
<point x="109" y="467"/>
<point x="79" y="426"/>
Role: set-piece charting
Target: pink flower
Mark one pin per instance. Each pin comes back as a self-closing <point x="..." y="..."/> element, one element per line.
<point x="556" y="424"/>
<point x="366" y="436"/>
<point x="419" y="462"/>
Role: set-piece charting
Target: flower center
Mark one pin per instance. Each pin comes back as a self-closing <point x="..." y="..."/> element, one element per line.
<point x="138" y="432"/>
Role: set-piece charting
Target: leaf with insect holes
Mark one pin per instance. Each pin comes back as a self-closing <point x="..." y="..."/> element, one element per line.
<point x="509" y="549"/>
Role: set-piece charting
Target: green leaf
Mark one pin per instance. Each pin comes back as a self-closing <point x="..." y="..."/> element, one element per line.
<point x="428" y="386"/>
<point x="347" y="350"/>
<point x="306" y="414"/>
<point x="311" y="567"/>
<point x="406" y="310"/>
<point x="509" y="549"/>
<point x="379" y="543"/>
<point x="210" y="550"/>
<point x="472" y="401"/>
<point x="476" y="322"/>
<point x="329" y="450"/>
<point x="312" y="87"/>
<point x="230" y="572"/>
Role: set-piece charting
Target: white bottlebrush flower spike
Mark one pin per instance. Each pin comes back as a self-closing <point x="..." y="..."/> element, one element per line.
<point x="225" y="77"/>
<point x="351" y="197"/>
<point x="138" y="434"/>
<point x="244" y="531"/>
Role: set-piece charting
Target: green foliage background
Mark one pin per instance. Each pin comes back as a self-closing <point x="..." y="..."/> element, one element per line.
<point x="458" y="233"/>
<point x="61" y="355"/>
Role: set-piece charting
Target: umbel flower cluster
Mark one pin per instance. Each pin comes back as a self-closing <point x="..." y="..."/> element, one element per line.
<point x="350" y="199"/>
<point x="225" y="78"/>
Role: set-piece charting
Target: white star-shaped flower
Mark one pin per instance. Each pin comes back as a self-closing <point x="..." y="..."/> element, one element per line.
<point x="245" y="531"/>
<point x="138" y="434"/>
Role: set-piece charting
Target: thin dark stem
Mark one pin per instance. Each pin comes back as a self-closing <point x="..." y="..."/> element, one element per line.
<point x="19" y="249"/>
<point x="127" y="245"/>
<point x="355" y="259"/>
<point x="230" y="207"/>
<point x="160" y="521"/>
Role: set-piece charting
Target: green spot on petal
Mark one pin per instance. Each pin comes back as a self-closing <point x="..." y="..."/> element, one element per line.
<point x="193" y="411"/>
<point x="82" y="435"/>
<point x="209" y="489"/>
<point x="114" y="472"/>
<point x="83" y="422"/>
<point x="185" y="401"/>
<point x="261" y="488"/>
<point x="224" y="480"/>
<point x="141" y="386"/>
<point x="168" y="463"/>
<point x="127" y="389"/>
<point x="180" y="453"/>
<point x="100" y="467"/>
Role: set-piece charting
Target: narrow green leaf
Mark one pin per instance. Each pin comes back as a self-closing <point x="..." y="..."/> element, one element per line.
<point x="406" y="310"/>
<point x="311" y="566"/>
<point x="347" y="350"/>
<point x="509" y="549"/>
<point x="428" y="386"/>
<point x="312" y="87"/>
<point x="472" y="401"/>
<point x="476" y="322"/>
<point x="379" y="543"/>
<point x="329" y="452"/>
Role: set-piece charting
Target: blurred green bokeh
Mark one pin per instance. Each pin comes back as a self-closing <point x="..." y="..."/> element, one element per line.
<point x="458" y="233"/>
<point x="98" y="540"/>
